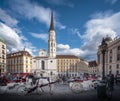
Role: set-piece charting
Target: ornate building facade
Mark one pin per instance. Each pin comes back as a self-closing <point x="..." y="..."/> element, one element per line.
<point x="67" y="65"/>
<point x="93" y="67"/>
<point x="2" y="56"/>
<point x="112" y="56"/>
<point x="19" y="62"/>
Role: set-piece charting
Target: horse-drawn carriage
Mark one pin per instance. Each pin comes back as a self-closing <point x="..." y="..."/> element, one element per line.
<point x="23" y="85"/>
<point x="79" y="85"/>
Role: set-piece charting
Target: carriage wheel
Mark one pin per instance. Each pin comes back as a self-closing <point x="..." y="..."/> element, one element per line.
<point x="22" y="90"/>
<point x="77" y="87"/>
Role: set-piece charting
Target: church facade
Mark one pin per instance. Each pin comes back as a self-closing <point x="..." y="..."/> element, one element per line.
<point x="52" y="65"/>
<point x="45" y="64"/>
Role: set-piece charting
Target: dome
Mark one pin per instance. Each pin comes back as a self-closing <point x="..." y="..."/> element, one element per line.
<point x="108" y="40"/>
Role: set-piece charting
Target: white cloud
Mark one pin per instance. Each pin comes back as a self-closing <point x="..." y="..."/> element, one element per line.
<point x="9" y="35"/>
<point x="65" y="49"/>
<point x="33" y="10"/>
<point x="100" y="27"/>
<point x="7" y="19"/>
<point x="112" y="1"/>
<point x="60" y="2"/>
<point x="14" y="41"/>
<point x="96" y="28"/>
<point x="62" y="47"/>
<point x="40" y="36"/>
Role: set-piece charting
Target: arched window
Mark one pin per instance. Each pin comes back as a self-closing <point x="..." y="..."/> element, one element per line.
<point x="43" y="65"/>
<point x="51" y="44"/>
<point x="117" y="72"/>
<point x="111" y="51"/>
<point x="118" y="47"/>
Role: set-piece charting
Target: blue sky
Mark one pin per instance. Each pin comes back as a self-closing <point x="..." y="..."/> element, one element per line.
<point x="80" y="25"/>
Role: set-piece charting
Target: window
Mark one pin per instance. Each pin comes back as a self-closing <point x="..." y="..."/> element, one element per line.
<point x="3" y="46"/>
<point x="110" y="67"/>
<point x="43" y="65"/>
<point x="118" y="53"/>
<point x="51" y="44"/>
<point x="117" y="66"/>
<point x="118" y="47"/>
<point x="110" y="59"/>
<point x="117" y="72"/>
<point x="111" y="51"/>
<point x="118" y="56"/>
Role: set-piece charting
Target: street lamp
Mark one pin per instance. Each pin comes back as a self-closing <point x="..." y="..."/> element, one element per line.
<point x="101" y="87"/>
<point x="103" y="46"/>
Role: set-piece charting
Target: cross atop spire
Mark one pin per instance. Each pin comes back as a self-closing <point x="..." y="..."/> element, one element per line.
<point x="52" y="22"/>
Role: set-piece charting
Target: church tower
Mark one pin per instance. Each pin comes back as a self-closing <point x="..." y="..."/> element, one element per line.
<point x="52" y="39"/>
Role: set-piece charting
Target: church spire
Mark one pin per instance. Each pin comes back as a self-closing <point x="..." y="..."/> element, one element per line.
<point x="52" y="22"/>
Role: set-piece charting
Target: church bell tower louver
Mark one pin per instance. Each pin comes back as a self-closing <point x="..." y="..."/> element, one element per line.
<point x="52" y="39"/>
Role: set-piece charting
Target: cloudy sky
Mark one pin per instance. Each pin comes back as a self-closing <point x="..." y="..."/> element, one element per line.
<point x="80" y="25"/>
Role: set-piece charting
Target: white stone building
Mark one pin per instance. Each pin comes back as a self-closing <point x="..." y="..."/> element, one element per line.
<point x="112" y="56"/>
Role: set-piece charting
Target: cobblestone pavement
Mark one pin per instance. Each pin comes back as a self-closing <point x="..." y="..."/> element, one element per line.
<point x="62" y="93"/>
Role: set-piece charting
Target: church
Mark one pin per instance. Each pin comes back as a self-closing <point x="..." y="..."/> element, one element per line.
<point x="45" y="64"/>
<point x="52" y="65"/>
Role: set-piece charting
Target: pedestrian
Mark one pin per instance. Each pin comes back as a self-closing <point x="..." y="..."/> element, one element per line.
<point x="110" y="80"/>
<point x="116" y="81"/>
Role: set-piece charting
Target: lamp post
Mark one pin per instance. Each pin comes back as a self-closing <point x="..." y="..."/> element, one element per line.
<point x="101" y="87"/>
<point x="104" y="45"/>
